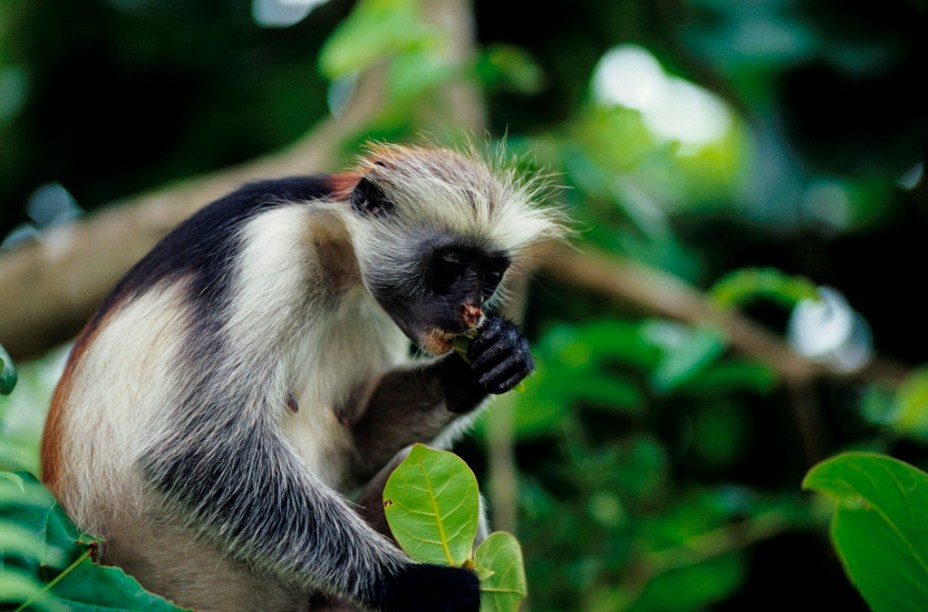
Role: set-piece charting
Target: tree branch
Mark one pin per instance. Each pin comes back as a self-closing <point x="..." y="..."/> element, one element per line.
<point x="48" y="289"/>
<point x="657" y="293"/>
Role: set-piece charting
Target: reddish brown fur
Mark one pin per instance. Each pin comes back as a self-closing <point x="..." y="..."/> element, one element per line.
<point x="51" y="436"/>
<point x="343" y="184"/>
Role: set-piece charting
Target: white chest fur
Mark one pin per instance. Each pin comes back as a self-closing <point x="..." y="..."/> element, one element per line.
<point x="335" y="372"/>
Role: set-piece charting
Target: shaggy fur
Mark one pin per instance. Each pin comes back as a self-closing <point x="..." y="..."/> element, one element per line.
<point x="253" y="369"/>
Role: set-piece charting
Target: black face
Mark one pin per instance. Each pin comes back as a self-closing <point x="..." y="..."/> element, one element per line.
<point x="455" y="282"/>
<point x="462" y="273"/>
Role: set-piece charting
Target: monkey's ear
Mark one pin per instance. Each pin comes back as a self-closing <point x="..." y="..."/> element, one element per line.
<point x="369" y="199"/>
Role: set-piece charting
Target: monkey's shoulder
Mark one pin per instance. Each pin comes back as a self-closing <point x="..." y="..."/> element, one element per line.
<point x="205" y="245"/>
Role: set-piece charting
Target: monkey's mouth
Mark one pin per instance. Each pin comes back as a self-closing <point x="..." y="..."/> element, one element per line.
<point x="438" y="341"/>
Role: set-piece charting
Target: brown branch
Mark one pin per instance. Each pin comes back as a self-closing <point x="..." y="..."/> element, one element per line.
<point x="657" y="293"/>
<point x="49" y="288"/>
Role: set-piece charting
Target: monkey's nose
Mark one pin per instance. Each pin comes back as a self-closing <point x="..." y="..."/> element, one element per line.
<point x="469" y="315"/>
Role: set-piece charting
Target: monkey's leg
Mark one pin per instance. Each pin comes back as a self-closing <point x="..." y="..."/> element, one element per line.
<point x="408" y="406"/>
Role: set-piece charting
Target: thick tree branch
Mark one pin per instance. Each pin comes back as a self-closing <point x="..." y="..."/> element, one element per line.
<point x="48" y="289"/>
<point x="657" y="293"/>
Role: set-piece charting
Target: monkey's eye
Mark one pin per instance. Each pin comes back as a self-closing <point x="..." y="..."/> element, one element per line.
<point x="491" y="280"/>
<point x="450" y="263"/>
<point x="451" y="258"/>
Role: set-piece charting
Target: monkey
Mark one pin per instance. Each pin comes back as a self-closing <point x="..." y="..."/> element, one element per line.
<point x="270" y="356"/>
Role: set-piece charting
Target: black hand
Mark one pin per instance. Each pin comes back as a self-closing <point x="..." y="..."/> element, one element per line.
<point x="432" y="588"/>
<point x="499" y="356"/>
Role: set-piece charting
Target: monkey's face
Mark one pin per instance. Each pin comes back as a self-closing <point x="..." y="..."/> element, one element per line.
<point x="453" y="285"/>
<point x="433" y="280"/>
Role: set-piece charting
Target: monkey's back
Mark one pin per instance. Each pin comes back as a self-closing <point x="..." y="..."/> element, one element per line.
<point x="136" y="363"/>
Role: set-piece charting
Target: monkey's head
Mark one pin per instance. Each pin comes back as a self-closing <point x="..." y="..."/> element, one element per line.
<point x="435" y="234"/>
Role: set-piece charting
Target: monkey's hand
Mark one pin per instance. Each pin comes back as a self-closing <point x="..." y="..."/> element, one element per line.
<point x="496" y="360"/>
<point x="431" y="588"/>
<point x="499" y="356"/>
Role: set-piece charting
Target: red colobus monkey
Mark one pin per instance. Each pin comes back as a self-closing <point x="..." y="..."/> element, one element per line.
<point x="254" y="368"/>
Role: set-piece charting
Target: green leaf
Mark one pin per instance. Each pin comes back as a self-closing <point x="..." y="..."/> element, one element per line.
<point x="48" y="550"/>
<point x="912" y="405"/>
<point x="511" y="67"/>
<point x="700" y="348"/>
<point x="740" y="286"/>
<point x="96" y="587"/>
<point x="880" y="526"/>
<point x="506" y="587"/>
<point x="432" y="506"/>
<point x="16" y="585"/>
<point x="376" y="29"/>
<point x="15" y="479"/>
<point x="7" y="372"/>
<point x="692" y="587"/>
<point x="731" y="375"/>
<point x="21" y="542"/>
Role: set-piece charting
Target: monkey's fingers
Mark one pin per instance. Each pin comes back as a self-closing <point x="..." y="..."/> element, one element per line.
<point x="504" y="374"/>
<point x="496" y="334"/>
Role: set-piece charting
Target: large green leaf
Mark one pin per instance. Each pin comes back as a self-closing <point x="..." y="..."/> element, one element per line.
<point x="880" y="526"/>
<point x="45" y="559"/>
<point x="505" y="588"/>
<point x="432" y="505"/>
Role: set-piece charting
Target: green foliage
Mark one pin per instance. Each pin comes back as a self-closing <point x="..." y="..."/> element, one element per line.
<point x="45" y="561"/>
<point x="879" y="526"/>
<point x="504" y="588"/>
<point x="510" y="67"/>
<point x="22" y="414"/>
<point x="699" y="349"/>
<point x="375" y="30"/>
<point x="7" y="373"/>
<point x="645" y="449"/>
<point x="740" y="286"/>
<point x="902" y="412"/>
<point x="432" y="506"/>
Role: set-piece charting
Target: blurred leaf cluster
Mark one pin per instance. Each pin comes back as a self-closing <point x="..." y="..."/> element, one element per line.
<point x="45" y="560"/>
<point x="658" y="467"/>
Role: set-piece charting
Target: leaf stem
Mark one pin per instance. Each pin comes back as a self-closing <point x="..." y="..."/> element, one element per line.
<point x="48" y="587"/>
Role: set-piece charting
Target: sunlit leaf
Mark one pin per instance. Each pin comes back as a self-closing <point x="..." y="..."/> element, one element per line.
<point x="879" y="527"/>
<point x="911" y="414"/>
<point x="432" y="506"/>
<point x="740" y="286"/>
<point x="375" y="30"/>
<point x="506" y="587"/>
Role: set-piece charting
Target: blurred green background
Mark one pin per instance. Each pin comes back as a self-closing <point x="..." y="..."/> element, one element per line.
<point x="655" y="466"/>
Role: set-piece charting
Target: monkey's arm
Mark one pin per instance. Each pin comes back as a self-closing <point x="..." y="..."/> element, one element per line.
<point x="417" y="404"/>
<point x="234" y="482"/>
